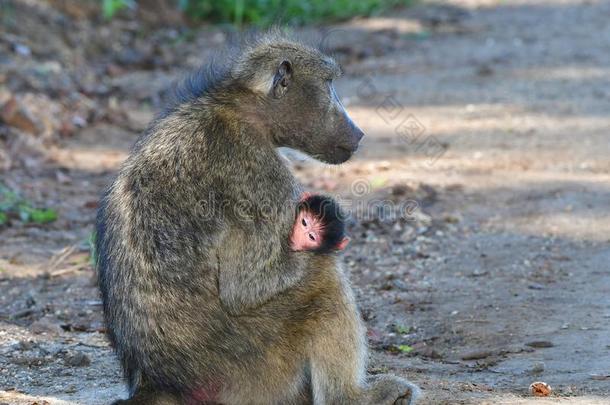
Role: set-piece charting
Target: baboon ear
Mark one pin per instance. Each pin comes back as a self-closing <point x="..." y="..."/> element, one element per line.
<point x="282" y="79"/>
<point x="344" y="242"/>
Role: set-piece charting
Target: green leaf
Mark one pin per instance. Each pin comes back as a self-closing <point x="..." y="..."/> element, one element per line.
<point x="378" y="182"/>
<point x="405" y="348"/>
<point x="111" y="7"/>
<point x="13" y="204"/>
<point x="43" y="216"/>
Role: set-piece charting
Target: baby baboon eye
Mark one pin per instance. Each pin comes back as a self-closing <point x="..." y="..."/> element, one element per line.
<point x="304" y="222"/>
<point x="312" y="237"/>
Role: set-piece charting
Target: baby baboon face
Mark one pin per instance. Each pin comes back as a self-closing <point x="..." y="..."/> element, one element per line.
<point x="307" y="232"/>
<point x="305" y="111"/>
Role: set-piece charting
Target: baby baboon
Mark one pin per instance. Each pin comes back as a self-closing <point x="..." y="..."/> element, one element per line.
<point x="204" y="300"/>
<point x="319" y="226"/>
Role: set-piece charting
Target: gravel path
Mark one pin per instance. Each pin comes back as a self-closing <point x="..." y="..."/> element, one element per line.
<point x="486" y="123"/>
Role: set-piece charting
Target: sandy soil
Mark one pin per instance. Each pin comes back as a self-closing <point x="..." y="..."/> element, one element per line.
<point x="487" y="142"/>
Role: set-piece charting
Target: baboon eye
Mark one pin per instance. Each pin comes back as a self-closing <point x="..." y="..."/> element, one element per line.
<point x="312" y="237"/>
<point x="304" y="222"/>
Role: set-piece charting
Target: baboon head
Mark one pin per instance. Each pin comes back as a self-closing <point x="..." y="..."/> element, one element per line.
<point x="296" y="100"/>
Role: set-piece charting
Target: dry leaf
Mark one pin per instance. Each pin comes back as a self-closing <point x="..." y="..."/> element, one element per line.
<point x="540" y="389"/>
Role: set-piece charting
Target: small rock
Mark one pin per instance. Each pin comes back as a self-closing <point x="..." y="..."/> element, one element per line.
<point x="539" y="344"/>
<point x="91" y="204"/>
<point x="45" y="325"/>
<point x="374" y="335"/>
<point x="79" y="121"/>
<point x="401" y="189"/>
<point x="537" y="368"/>
<point x="429" y="353"/>
<point x="114" y="70"/>
<point x="400" y="285"/>
<point x="451" y="219"/>
<point x="27" y="345"/>
<point x="77" y="327"/>
<point x="24" y="313"/>
<point x="62" y="177"/>
<point x="387" y="286"/>
<point x="30" y="301"/>
<point x="485" y="70"/>
<point x="22" y="50"/>
<point x="15" y="115"/>
<point x="477" y="355"/>
<point x="77" y="360"/>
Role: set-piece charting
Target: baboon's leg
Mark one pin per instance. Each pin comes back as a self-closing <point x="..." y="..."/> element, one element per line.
<point x="338" y="359"/>
<point x="150" y="398"/>
<point x="145" y="394"/>
<point x="266" y="387"/>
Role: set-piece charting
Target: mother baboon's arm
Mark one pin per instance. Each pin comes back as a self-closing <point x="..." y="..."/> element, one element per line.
<point x="254" y="265"/>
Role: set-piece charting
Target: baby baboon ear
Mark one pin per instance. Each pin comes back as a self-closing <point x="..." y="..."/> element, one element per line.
<point x="343" y="244"/>
<point x="281" y="79"/>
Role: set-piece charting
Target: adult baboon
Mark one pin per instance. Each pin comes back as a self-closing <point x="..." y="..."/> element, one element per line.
<point x="204" y="300"/>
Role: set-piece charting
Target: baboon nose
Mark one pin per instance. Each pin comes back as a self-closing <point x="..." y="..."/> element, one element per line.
<point x="356" y="133"/>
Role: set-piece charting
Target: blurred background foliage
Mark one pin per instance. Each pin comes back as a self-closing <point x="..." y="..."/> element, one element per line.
<point x="266" y="12"/>
<point x="15" y="207"/>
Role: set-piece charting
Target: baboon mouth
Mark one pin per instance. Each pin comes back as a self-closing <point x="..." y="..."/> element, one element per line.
<point x="347" y="149"/>
<point x="342" y="154"/>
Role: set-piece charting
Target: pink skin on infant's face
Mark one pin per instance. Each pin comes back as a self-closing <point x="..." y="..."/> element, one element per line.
<point x="307" y="232"/>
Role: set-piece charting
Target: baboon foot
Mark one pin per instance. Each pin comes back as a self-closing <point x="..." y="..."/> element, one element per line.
<point x="392" y="390"/>
<point x="407" y="399"/>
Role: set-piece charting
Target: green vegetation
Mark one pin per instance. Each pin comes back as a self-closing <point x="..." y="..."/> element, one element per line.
<point x="268" y="12"/>
<point x="111" y="7"/>
<point x="405" y="348"/>
<point x="92" y="250"/>
<point x="14" y="206"/>
<point x="403" y="330"/>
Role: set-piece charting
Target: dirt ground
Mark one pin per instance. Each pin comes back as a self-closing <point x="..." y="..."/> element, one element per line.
<point x="479" y="199"/>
